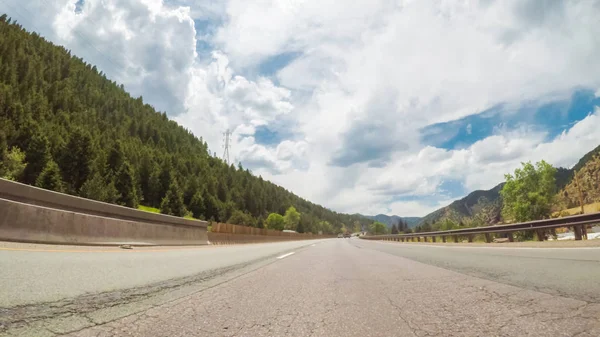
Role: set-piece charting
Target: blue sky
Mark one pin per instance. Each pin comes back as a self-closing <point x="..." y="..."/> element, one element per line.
<point x="551" y="117"/>
<point x="371" y="108"/>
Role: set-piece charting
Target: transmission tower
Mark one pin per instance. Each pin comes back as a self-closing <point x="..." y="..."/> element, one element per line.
<point x="226" y="146"/>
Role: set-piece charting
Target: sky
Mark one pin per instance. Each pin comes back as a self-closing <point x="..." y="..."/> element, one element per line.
<point x="370" y="106"/>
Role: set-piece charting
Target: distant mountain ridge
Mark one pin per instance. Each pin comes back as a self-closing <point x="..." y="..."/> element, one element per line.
<point x="485" y="206"/>
<point x="481" y="205"/>
<point x="390" y="220"/>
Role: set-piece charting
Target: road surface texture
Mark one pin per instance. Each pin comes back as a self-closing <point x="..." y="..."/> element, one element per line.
<point x="337" y="287"/>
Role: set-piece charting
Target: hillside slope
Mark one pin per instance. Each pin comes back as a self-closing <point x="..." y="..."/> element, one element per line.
<point x="484" y="207"/>
<point x="588" y="174"/>
<point x="393" y="219"/>
<point x="83" y="134"/>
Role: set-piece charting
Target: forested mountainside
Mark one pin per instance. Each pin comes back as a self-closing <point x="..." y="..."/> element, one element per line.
<point x="484" y="207"/>
<point x="394" y="219"/>
<point x="66" y="127"/>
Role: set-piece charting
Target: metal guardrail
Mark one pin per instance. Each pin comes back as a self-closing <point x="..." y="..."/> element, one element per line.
<point x="578" y="222"/>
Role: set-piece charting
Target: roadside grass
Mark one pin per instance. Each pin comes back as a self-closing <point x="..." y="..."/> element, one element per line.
<point x="589" y="208"/>
<point x="148" y="209"/>
<point x="156" y="210"/>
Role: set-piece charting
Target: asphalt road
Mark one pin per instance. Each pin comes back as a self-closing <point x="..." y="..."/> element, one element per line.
<point x="338" y="287"/>
<point x="33" y="274"/>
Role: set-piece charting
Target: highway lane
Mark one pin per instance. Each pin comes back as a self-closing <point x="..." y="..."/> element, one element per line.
<point x="344" y="287"/>
<point x="571" y="272"/>
<point x="34" y="273"/>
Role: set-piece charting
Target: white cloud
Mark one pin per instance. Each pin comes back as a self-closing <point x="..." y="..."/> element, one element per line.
<point x="286" y="157"/>
<point x="219" y="100"/>
<point x="368" y="77"/>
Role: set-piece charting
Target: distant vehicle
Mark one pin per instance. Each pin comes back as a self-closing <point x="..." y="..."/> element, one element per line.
<point x="347" y="235"/>
<point x="340" y="235"/>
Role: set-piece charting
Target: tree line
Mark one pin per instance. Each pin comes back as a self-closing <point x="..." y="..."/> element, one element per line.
<point x="66" y="127"/>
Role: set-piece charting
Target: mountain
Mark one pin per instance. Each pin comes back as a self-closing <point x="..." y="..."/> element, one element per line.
<point x="66" y="127"/>
<point x="588" y="174"/>
<point x="412" y="221"/>
<point x="485" y="206"/>
<point x="481" y="205"/>
<point x="393" y="219"/>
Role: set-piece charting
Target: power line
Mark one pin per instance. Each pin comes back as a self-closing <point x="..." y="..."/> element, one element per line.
<point x="226" y="146"/>
<point x="30" y="20"/>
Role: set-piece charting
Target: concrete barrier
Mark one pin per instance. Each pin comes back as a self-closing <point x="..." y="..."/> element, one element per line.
<point x="31" y="223"/>
<point x="37" y="196"/>
<point x="31" y="214"/>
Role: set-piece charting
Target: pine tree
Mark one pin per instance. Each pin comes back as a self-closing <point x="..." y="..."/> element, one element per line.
<point x="154" y="188"/>
<point x="76" y="159"/>
<point x="226" y="209"/>
<point x="165" y="179"/>
<point x="97" y="188"/>
<point x="172" y="203"/>
<point x="37" y="157"/>
<point x="125" y="185"/>
<point x="116" y="157"/>
<point x="300" y="228"/>
<point x="402" y="226"/>
<point x="196" y="205"/>
<point x="50" y="178"/>
<point x="191" y="188"/>
<point x="211" y="206"/>
<point x="222" y="191"/>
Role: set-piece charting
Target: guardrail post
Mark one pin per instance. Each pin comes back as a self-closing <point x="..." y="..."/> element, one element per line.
<point x="424" y="239"/>
<point x="577" y="232"/>
<point x="540" y="234"/>
<point x="433" y="239"/>
<point x="418" y="239"/>
<point x="488" y="239"/>
<point x="584" y="232"/>
<point x="510" y="236"/>
<point x="443" y="239"/>
<point x="455" y="238"/>
<point x="470" y="237"/>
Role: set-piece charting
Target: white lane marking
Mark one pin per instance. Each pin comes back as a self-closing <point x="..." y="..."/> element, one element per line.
<point x="312" y="245"/>
<point x="285" y="255"/>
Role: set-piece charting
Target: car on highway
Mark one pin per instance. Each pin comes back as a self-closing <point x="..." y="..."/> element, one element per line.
<point x="340" y="235"/>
